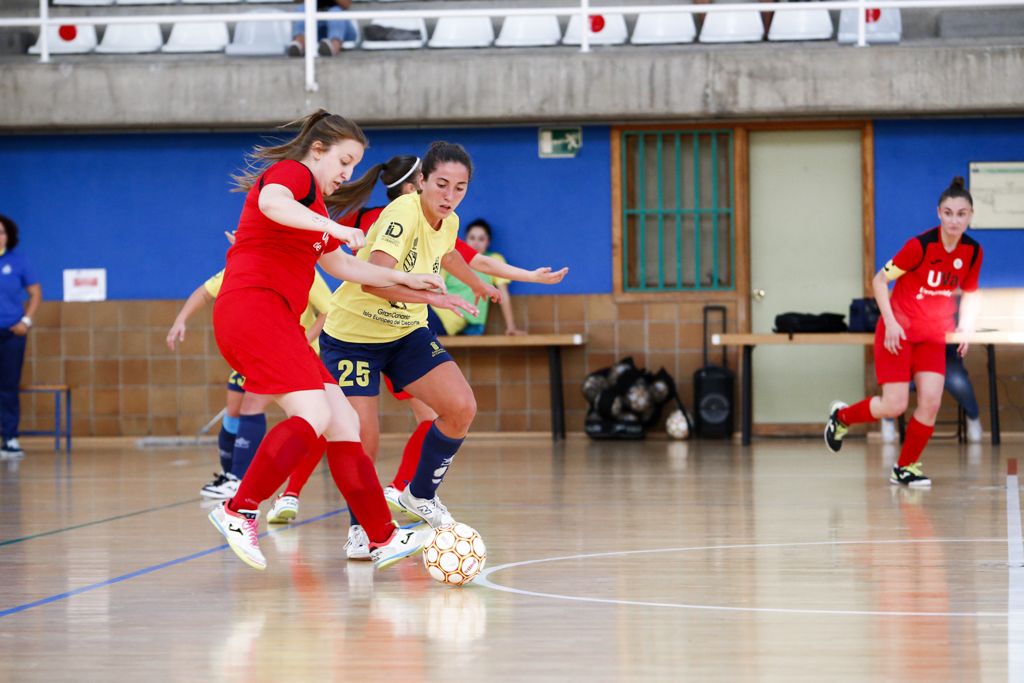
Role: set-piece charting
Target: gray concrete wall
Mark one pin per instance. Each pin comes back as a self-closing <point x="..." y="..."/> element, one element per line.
<point x="431" y="87"/>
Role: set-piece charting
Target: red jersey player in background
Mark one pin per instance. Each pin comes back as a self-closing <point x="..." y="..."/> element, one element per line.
<point x="910" y="340"/>
<point x="283" y="232"/>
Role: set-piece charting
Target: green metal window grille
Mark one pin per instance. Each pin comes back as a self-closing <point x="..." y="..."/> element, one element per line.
<point x="678" y="230"/>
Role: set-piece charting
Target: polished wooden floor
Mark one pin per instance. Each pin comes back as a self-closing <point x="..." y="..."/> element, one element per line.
<point x="656" y="561"/>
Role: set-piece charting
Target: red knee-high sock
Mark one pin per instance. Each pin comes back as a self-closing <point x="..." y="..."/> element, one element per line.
<point x="302" y="471"/>
<point x="915" y="441"/>
<point x="356" y="478"/>
<point x="282" y="449"/>
<point x="411" y="456"/>
<point x="857" y="413"/>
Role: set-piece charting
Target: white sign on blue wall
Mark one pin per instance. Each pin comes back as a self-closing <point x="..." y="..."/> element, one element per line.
<point x="85" y="284"/>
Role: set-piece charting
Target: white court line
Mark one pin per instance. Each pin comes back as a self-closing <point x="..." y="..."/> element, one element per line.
<point x="1015" y="592"/>
<point x="485" y="581"/>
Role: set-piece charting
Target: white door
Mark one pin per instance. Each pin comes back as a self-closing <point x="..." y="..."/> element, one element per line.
<point x="806" y="255"/>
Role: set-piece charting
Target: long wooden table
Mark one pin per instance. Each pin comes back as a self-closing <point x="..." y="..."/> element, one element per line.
<point x="749" y="340"/>
<point x="553" y="343"/>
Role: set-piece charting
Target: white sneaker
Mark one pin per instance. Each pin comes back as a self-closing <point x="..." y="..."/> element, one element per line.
<point x="241" y="530"/>
<point x="402" y="544"/>
<point x="284" y="510"/>
<point x="974" y="430"/>
<point x="357" y="547"/>
<point x="889" y="432"/>
<point x="223" y="487"/>
<point x="431" y="511"/>
<point x="12" y="449"/>
<point x="391" y="495"/>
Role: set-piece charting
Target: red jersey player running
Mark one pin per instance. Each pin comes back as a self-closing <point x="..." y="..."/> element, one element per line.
<point x="910" y="340"/>
<point x="284" y="230"/>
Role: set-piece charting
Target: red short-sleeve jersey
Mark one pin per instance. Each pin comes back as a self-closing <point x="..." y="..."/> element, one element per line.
<point x="272" y="256"/>
<point x="922" y="299"/>
<point x="365" y="218"/>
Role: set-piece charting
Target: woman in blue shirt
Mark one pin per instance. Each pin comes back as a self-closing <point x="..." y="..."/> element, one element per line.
<point x="16" y="278"/>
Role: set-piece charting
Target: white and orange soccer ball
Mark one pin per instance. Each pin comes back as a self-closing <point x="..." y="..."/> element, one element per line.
<point x="454" y="554"/>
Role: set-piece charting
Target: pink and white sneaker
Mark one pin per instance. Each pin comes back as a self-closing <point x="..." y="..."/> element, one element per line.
<point x="241" y="530"/>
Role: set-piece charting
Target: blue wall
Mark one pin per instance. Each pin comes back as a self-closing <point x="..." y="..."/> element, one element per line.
<point x="914" y="162"/>
<point x="151" y="208"/>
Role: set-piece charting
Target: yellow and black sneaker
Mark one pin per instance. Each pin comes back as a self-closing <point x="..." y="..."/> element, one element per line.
<point x="911" y="476"/>
<point x="834" y="429"/>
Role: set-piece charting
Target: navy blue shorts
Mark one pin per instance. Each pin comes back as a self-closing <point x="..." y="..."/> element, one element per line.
<point x="236" y="382"/>
<point x="357" y="367"/>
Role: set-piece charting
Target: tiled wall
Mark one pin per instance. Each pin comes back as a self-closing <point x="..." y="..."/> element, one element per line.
<point x="125" y="381"/>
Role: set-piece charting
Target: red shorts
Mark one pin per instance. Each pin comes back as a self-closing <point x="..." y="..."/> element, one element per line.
<point x="913" y="357"/>
<point x="260" y="337"/>
<point x="401" y="395"/>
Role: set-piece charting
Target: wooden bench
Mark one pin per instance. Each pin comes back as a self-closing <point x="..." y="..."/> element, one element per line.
<point x="61" y="428"/>
<point x="749" y="341"/>
<point x="553" y="343"/>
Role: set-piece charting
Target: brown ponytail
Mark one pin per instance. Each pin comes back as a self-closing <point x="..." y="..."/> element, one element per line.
<point x="354" y="195"/>
<point x="956" y="189"/>
<point x="321" y="125"/>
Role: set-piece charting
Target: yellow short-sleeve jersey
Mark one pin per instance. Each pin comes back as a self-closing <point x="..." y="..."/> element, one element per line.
<point x="212" y="286"/>
<point x="402" y="232"/>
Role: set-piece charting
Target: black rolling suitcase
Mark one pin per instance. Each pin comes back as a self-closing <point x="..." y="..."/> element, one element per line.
<point x="713" y="390"/>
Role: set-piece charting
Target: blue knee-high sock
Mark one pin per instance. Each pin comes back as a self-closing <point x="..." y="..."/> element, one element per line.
<point x="226" y="441"/>
<point x="251" y="430"/>
<point x="435" y="457"/>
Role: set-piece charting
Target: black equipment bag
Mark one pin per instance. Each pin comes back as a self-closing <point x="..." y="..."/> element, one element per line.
<point x="713" y="389"/>
<point x="809" y="322"/>
<point x="864" y="315"/>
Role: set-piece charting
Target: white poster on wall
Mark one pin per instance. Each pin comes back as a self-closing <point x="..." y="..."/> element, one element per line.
<point x="85" y="284"/>
<point x="998" y="191"/>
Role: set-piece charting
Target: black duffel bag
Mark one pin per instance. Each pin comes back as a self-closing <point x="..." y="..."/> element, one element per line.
<point x="864" y="315"/>
<point x="790" y="323"/>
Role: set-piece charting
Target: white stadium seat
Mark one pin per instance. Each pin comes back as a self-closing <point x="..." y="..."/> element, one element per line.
<point x="131" y="39"/>
<point x="803" y="24"/>
<point x="417" y="27"/>
<point x="254" y="38"/>
<point x="663" y="28"/>
<point x="883" y="26"/>
<point x="732" y="27"/>
<point x="462" y="32"/>
<point x="529" y="31"/>
<point x="68" y="40"/>
<point x="207" y="36"/>
<point x="611" y="30"/>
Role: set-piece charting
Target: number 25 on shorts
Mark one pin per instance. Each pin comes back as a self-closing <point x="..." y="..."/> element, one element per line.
<point x="362" y="373"/>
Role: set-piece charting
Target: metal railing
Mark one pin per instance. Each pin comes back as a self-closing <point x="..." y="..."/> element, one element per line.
<point x="583" y="10"/>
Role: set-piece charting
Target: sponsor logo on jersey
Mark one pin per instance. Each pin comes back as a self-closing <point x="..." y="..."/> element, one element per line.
<point x="410" y="259"/>
<point x="436" y="349"/>
<point x="958" y="263"/>
<point x="323" y="241"/>
<point x="394" y="230"/>
<point x="7" y="269"/>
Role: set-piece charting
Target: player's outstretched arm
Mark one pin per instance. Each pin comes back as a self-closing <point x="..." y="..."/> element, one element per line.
<point x="894" y="334"/>
<point x="540" y="276"/>
<point x="277" y="203"/>
<point x="457" y="266"/>
<point x="196" y="300"/>
<point x="349" y="268"/>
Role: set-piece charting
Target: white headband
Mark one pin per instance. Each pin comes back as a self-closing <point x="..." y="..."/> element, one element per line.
<point x="408" y="173"/>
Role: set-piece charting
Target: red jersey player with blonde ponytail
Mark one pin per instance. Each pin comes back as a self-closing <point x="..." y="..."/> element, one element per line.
<point x="910" y="340"/>
<point x="283" y="232"/>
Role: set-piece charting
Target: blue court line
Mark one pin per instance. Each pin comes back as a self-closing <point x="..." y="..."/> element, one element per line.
<point x="151" y="569"/>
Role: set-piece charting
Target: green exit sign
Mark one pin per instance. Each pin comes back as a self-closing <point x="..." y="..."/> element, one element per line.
<point x="559" y="143"/>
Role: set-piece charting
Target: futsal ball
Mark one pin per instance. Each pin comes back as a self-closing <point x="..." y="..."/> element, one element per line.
<point x="677" y="426"/>
<point x="454" y="554"/>
<point x="639" y="397"/>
